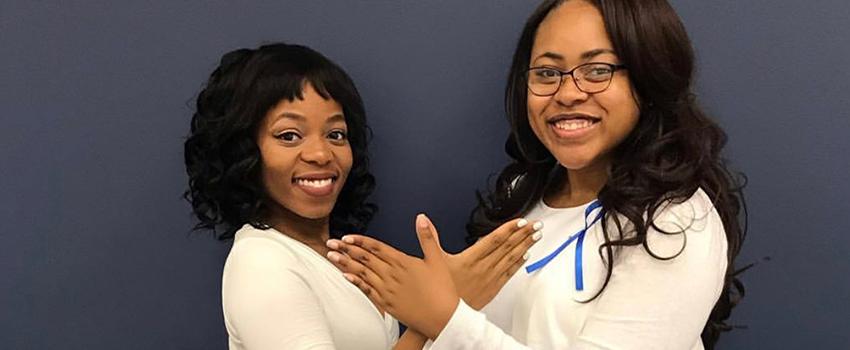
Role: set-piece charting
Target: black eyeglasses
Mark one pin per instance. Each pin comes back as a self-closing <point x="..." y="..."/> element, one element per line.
<point x="590" y="78"/>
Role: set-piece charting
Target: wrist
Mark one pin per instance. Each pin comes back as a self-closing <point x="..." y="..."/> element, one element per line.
<point x="411" y="340"/>
<point x="443" y="318"/>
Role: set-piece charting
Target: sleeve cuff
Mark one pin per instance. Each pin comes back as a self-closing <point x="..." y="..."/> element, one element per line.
<point x="464" y="321"/>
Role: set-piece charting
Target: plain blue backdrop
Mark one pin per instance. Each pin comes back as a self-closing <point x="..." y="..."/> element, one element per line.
<point x="95" y="101"/>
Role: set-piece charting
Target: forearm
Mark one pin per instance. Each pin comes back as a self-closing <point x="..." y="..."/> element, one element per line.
<point x="411" y="340"/>
<point x="469" y="330"/>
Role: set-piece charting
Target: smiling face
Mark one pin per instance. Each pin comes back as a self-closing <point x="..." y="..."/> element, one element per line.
<point x="578" y="128"/>
<point x="306" y="155"/>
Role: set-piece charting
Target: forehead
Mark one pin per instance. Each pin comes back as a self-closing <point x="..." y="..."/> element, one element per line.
<point x="573" y="28"/>
<point x="312" y="108"/>
<point x="311" y="100"/>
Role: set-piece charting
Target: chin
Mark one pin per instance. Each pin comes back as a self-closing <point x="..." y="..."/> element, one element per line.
<point x="573" y="163"/>
<point x="313" y="213"/>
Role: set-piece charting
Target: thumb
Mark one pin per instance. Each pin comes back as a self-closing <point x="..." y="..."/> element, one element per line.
<point x="429" y="240"/>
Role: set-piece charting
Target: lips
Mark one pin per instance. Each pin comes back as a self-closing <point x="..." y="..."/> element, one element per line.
<point x="572" y="126"/>
<point x="316" y="185"/>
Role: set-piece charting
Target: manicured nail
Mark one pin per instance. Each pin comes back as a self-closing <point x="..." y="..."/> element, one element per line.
<point x="526" y="256"/>
<point x="537" y="236"/>
<point x="421" y="221"/>
<point x="334" y="256"/>
<point x="537" y="225"/>
<point x="332" y="244"/>
<point x="521" y="223"/>
<point x="347" y="239"/>
<point x="348" y="277"/>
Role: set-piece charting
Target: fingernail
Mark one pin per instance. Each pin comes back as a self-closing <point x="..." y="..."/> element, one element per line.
<point x="521" y="223"/>
<point x="537" y="236"/>
<point x="537" y="225"/>
<point x="348" y="277"/>
<point x="421" y="221"/>
<point x="333" y="256"/>
<point x="348" y="239"/>
<point x="526" y="256"/>
<point x="332" y="244"/>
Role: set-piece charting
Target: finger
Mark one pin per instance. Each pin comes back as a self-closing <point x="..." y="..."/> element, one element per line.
<point x="354" y="267"/>
<point x="435" y="233"/>
<point x="364" y="257"/>
<point x="496" y="238"/>
<point x="505" y="238"/>
<point x="509" y="264"/>
<point x="372" y="293"/>
<point x="517" y="255"/>
<point x="343" y="247"/>
<point x="504" y="277"/>
<point x="336" y="262"/>
<point x="380" y="249"/>
<point x="428" y="239"/>
<point x="520" y="240"/>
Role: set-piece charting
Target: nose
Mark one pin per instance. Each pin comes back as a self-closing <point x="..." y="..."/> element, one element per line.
<point x="569" y="93"/>
<point x="317" y="152"/>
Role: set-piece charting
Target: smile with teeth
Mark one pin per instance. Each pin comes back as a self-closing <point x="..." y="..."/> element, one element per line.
<point x="315" y="183"/>
<point x="573" y="124"/>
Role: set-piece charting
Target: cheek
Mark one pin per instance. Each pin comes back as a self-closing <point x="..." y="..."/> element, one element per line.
<point x="345" y="157"/>
<point x="622" y="108"/>
<point x="535" y="107"/>
<point x="277" y="165"/>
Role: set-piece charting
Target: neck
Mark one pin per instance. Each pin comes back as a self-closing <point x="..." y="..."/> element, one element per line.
<point x="580" y="186"/>
<point x="312" y="232"/>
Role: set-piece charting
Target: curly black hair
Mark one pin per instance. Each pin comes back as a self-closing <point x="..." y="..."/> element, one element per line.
<point x="673" y="151"/>
<point x="222" y="157"/>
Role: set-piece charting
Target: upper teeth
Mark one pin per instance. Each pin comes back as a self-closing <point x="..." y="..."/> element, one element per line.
<point x="314" y="183"/>
<point x="573" y="124"/>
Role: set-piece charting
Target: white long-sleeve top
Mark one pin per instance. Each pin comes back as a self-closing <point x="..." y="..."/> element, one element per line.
<point x="278" y="293"/>
<point x="648" y="303"/>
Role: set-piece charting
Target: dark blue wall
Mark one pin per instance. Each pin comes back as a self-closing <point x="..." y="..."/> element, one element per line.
<point x="94" y="101"/>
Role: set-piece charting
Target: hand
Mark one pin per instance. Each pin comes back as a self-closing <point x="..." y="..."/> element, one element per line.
<point x="418" y="292"/>
<point x="480" y="271"/>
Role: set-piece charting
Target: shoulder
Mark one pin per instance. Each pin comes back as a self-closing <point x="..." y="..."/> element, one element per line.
<point x="261" y="250"/>
<point x="261" y="267"/>
<point x="689" y="228"/>
<point x="266" y="293"/>
<point x="696" y="213"/>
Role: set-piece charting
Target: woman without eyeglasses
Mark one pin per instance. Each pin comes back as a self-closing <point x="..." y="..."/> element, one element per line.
<point x="277" y="162"/>
<point x="612" y="153"/>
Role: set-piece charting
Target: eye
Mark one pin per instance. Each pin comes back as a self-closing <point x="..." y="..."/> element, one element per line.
<point x="544" y="75"/>
<point x="288" y="136"/>
<point x="338" y="135"/>
<point x="597" y="72"/>
<point x="547" y="73"/>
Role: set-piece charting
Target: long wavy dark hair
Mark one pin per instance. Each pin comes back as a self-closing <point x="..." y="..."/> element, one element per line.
<point x="222" y="157"/>
<point x="674" y="150"/>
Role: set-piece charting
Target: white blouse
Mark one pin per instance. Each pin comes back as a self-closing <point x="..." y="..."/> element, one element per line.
<point x="648" y="303"/>
<point x="278" y="293"/>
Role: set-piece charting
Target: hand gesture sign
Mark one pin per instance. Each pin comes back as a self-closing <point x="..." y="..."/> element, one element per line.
<point x="480" y="271"/>
<point x="423" y="293"/>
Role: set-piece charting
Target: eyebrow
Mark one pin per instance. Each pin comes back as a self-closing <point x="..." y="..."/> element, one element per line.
<point x="584" y="56"/>
<point x="338" y="117"/>
<point x="593" y="53"/>
<point x="550" y="55"/>
<point x="290" y="115"/>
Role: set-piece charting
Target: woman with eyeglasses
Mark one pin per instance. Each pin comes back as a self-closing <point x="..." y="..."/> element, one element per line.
<point x="611" y="151"/>
<point x="277" y="162"/>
